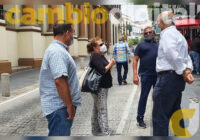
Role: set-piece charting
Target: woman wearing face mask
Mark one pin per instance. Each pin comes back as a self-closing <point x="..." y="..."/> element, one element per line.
<point x="99" y="118"/>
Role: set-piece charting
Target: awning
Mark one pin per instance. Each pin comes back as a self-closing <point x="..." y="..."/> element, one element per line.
<point x="187" y="22"/>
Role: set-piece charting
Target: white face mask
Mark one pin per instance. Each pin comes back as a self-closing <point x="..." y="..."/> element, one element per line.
<point x="103" y="48"/>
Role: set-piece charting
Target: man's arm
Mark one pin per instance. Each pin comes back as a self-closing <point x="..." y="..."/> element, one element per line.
<point x="64" y="93"/>
<point x="135" y="73"/>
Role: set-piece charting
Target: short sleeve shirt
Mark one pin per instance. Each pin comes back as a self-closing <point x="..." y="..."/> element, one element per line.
<point x="147" y="53"/>
<point x="57" y="62"/>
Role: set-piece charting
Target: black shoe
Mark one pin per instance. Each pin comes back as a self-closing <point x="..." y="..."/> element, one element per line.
<point x="140" y="123"/>
<point x="125" y="82"/>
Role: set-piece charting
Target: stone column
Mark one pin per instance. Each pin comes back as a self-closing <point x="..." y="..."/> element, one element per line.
<point x="5" y="84"/>
<point x="108" y="34"/>
<point x="50" y="26"/>
<point x="103" y="32"/>
<point x="90" y="28"/>
<point x="29" y="40"/>
<point x="82" y="39"/>
<point x="97" y="30"/>
<point x="81" y="25"/>
<point x="31" y="15"/>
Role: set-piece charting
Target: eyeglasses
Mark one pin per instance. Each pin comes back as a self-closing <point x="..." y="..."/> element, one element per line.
<point x="150" y="32"/>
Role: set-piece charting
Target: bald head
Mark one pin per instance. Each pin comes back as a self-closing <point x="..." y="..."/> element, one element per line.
<point x="165" y="19"/>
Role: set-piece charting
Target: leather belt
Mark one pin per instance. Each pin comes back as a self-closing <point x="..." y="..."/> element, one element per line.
<point x="167" y="71"/>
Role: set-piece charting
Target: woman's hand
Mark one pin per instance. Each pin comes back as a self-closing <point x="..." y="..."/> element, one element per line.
<point x="112" y="61"/>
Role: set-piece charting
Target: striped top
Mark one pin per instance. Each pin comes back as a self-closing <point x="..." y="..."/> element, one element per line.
<point x="121" y="52"/>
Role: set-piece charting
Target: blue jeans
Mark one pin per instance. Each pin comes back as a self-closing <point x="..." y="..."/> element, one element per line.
<point x="147" y="81"/>
<point x="167" y="96"/>
<point x="119" y="69"/>
<point x="195" y="59"/>
<point x="58" y="123"/>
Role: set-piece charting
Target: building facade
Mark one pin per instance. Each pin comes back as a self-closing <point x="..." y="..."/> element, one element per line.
<point x="23" y="43"/>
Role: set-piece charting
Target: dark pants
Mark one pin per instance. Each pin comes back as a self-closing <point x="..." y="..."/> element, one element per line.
<point x="58" y="123"/>
<point x="119" y="69"/>
<point x="195" y="59"/>
<point x="166" y="100"/>
<point x="147" y="81"/>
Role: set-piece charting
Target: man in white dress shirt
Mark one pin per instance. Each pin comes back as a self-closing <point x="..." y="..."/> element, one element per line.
<point x="173" y="66"/>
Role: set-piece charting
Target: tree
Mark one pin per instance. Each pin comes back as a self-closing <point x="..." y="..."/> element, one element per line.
<point x="133" y="41"/>
<point x="129" y="28"/>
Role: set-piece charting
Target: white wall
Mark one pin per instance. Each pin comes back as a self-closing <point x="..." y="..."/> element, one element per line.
<point x="3" y="45"/>
<point x="25" y="43"/>
<point x="38" y="45"/>
<point x="48" y="40"/>
<point x="11" y="43"/>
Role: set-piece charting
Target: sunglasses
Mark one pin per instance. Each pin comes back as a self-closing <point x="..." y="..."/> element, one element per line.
<point x="150" y="32"/>
<point x="101" y="44"/>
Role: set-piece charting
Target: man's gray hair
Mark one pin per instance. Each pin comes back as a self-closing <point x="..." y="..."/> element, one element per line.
<point x="167" y="18"/>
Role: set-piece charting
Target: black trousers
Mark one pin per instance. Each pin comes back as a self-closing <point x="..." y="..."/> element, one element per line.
<point x="167" y="96"/>
<point x="119" y="69"/>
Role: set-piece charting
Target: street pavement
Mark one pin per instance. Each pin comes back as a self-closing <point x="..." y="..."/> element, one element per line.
<point x="20" y="114"/>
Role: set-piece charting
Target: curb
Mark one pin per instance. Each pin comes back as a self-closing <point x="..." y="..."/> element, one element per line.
<point x="27" y="89"/>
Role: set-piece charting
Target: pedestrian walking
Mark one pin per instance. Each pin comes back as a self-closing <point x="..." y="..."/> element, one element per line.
<point x="173" y="66"/>
<point x="146" y="52"/>
<point x="121" y="54"/>
<point x="194" y="53"/>
<point x="99" y="118"/>
<point x="59" y="84"/>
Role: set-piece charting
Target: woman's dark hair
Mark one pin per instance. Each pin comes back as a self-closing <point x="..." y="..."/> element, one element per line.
<point x="91" y="45"/>
<point x="60" y="29"/>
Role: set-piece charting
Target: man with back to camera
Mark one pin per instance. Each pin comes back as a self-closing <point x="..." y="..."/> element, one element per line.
<point x="59" y="84"/>
<point x="173" y="66"/>
<point x="146" y="52"/>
